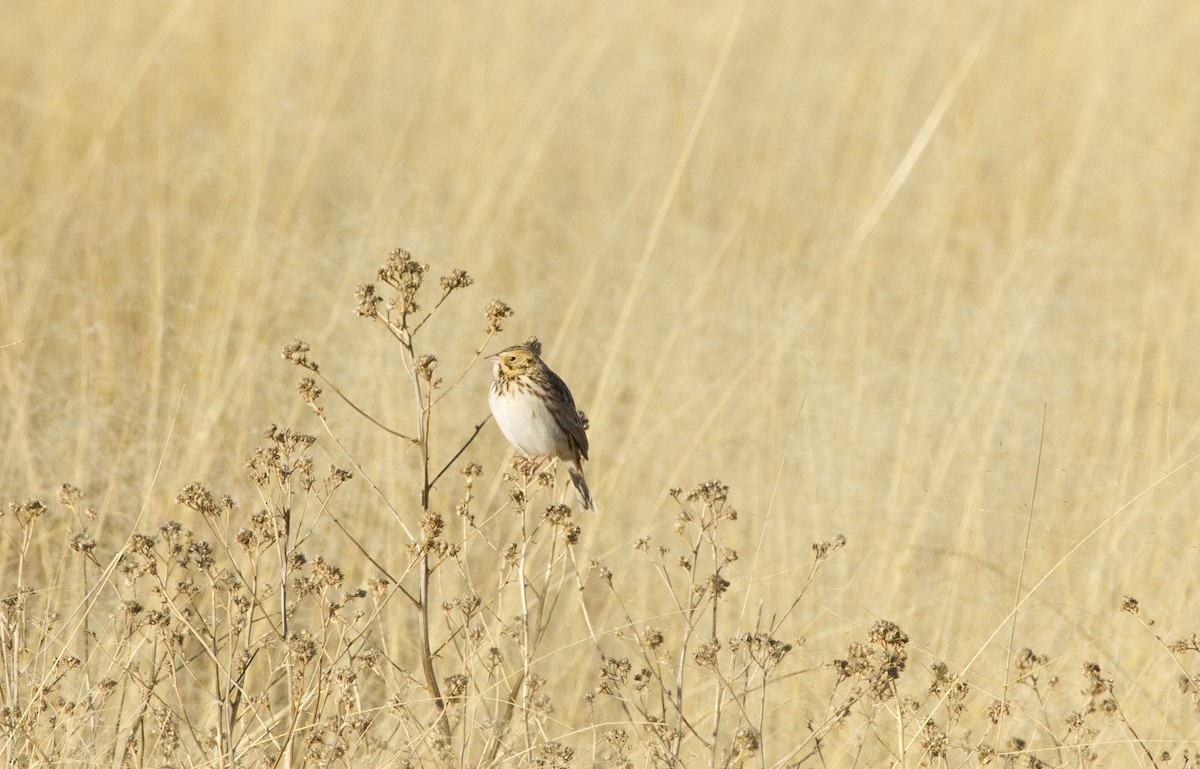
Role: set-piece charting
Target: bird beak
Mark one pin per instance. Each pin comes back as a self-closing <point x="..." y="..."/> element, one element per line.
<point x="493" y="358"/>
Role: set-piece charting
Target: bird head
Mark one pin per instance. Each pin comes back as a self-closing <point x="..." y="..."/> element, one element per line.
<point x="513" y="361"/>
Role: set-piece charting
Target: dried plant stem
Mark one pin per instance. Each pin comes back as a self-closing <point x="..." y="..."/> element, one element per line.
<point x="718" y="699"/>
<point x="466" y="369"/>
<point x="366" y="477"/>
<point x="901" y="748"/>
<point x="357" y="409"/>
<point x="460" y="451"/>
<point x="431" y="679"/>
<point x="1017" y="599"/>
<point x="282" y="553"/>
<point x="526" y="650"/>
<point x="424" y="417"/>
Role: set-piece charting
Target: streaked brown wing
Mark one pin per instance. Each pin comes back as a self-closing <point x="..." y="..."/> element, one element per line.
<point x="567" y="415"/>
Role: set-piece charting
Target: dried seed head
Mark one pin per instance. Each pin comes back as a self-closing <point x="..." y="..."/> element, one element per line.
<point x="401" y="271"/>
<point x="934" y="741"/>
<point x="370" y="658"/>
<point x="558" y="515"/>
<point x="945" y="681"/>
<point x="142" y="545"/>
<point x="302" y="648"/>
<point x="1028" y="664"/>
<point x="366" y="301"/>
<point x="425" y="365"/>
<point x="336" y="477"/>
<point x="766" y="650"/>
<point x="1191" y="643"/>
<point x="710" y="493"/>
<point x="879" y="663"/>
<point x="455" y="280"/>
<point x="70" y="496"/>
<point x="706" y="654"/>
<point x="403" y="274"/>
<point x="200" y="553"/>
<point x="618" y="738"/>
<point x="822" y="550"/>
<point x="888" y="635"/>
<point x="308" y="390"/>
<point x="200" y="499"/>
<point x="746" y="743"/>
<point x="432" y="525"/>
<point x="297" y="353"/>
<point x="496" y="313"/>
<point x="326" y="574"/>
<point x="652" y="638"/>
<point x="613" y="671"/>
<point x="83" y="542"/>
<point x="27" y="511"/>
<point x="247" y="539"/>
<point x="553" y="754"/>
<point x="456" y="687"/>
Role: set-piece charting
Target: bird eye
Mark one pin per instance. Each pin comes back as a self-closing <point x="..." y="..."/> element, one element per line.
<point x="512" y="358"/>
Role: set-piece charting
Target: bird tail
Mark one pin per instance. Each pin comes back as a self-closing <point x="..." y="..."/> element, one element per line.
<point x="575" y="470"/>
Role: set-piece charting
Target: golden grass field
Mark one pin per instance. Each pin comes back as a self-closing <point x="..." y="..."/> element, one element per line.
<point x="922" y="274"/>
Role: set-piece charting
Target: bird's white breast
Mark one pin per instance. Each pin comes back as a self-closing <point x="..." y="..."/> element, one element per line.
<point x="527" y="423"/>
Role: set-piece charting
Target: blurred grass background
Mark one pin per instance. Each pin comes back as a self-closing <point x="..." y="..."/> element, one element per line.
<point x="844" y="256"/>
